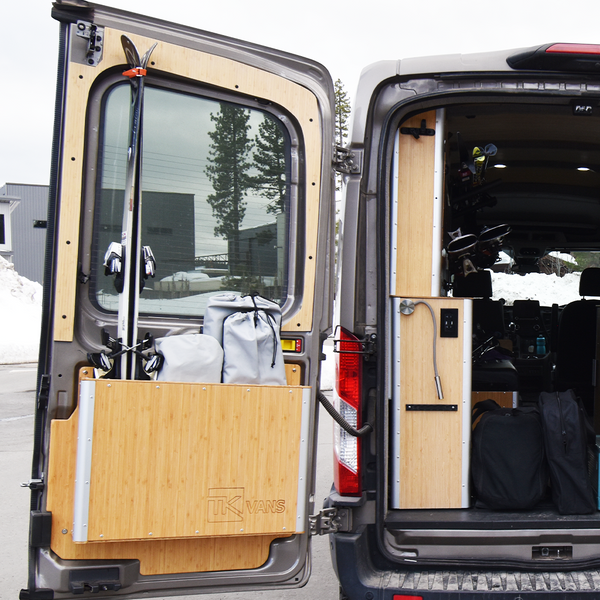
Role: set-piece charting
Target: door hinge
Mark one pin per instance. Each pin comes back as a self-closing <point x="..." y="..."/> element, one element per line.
<point x="95" y="37"/>
<point x="346" y="161"/>
<point x="330" y="520"/>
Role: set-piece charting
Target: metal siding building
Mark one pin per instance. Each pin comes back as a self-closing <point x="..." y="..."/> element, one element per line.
<point x="28" y="228"/>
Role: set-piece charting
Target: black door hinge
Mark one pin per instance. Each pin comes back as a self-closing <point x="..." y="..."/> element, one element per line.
<point x="347" y="161"/>
<point x="330" y="520"/>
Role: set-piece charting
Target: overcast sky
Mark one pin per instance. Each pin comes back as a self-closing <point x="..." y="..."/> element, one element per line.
<point x="343" y="35"/>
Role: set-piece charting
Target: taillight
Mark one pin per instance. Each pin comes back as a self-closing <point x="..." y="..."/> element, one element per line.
<point x="347" y="399"/>
<point x="406" y="597"/>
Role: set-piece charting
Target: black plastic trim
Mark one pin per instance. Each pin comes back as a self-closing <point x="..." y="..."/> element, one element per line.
<point x="40" y="529"/>
<point x="538" y="59"/>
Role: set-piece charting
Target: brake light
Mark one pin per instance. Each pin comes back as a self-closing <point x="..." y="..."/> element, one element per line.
<point x="576" y="58"/>
<point x="575" y="48"/>
<point x="406" y="597"/>
<point x="347" y="399"/>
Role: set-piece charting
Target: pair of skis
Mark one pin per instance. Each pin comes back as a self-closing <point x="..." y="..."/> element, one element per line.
<point x="129" y="261"/>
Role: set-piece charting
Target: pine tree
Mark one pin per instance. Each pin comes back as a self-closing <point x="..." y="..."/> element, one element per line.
<point x="342" y="113"/>
<point x="227" y="171"/>
<point x="269" y="160"/>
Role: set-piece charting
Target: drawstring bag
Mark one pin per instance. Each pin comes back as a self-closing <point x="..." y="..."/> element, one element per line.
<point x="248" y="329"/>
<point x="190" y="357"/>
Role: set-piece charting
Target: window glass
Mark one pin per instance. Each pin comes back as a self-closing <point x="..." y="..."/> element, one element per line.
<point x="554" y="279"/>
<point x="215" y="199"/>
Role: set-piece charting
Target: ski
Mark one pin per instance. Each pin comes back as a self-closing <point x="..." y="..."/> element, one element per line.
<point x="129" y="261"/>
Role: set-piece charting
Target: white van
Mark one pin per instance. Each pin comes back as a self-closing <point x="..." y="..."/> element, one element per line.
<point x="147" y="485"/>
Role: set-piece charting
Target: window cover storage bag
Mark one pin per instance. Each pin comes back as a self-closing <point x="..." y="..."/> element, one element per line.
<point x="248" y="329"/>
<point x="568" y="433"/>
<point x="508" y="462"/>
<point x="190" y="358"/>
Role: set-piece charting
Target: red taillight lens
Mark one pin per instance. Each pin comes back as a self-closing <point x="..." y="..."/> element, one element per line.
<point x="348" y="401"/>
<point x="406" y="597"/>
<point x="575" y="48"/>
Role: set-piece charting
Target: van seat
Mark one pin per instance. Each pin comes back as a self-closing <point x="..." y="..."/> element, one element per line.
<point x="488" y="321"/>
<point x="488" y="317"/>
<point x="576" y="350"/>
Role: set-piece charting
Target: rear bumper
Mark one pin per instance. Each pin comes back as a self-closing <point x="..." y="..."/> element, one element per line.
<point x="364" y="574"/>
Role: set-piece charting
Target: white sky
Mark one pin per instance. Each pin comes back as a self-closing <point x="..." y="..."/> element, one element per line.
<point x="344" y="36"/>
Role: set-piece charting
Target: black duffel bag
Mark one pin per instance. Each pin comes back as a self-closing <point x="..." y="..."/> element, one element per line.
<point x="568" y="434"/>
<point x="508" y="460"/>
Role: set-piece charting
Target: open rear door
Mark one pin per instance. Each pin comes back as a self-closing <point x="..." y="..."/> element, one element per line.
<point x="153" y="485"/>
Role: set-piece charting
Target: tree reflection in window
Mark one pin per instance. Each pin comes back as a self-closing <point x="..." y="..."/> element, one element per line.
<point x="215" y="201"/>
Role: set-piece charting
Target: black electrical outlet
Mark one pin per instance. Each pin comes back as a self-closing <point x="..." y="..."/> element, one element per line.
<point x="449" y="326"/>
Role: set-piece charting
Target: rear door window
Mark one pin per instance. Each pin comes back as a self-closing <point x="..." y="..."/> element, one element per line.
<point x="216" y="179"/>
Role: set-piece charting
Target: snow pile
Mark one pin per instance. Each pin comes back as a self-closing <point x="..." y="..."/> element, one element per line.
<point x="20" y="316"/>
<point x="547" y="289"/>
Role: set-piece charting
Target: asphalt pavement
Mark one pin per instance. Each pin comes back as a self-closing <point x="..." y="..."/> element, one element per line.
<point x="17" y="401"/>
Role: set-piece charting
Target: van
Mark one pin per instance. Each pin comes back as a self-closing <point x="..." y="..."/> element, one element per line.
<point x="191" y="171"/>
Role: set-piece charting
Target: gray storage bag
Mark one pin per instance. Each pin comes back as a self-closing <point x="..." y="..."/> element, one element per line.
<point x="248" y="329"/>
<point x="190" y="358"/>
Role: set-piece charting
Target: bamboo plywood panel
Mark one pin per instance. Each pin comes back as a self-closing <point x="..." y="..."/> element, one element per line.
<point x="197" y="66"/>
<point x="293" y="374"/>
<point x="431" y="448"/>
<point x="416" y="169"/>
<point x="155" y="556"/>
<point x="186" y="460"/>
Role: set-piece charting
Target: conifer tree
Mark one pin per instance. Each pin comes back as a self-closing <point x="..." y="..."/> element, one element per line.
<point x="269" y="160"/>
<point x="228" y="171"/>
<point x="342" y="113"/>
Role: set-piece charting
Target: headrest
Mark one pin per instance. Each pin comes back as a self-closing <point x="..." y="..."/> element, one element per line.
<point x="475" y="285"/>
<point x="589" y="284"/>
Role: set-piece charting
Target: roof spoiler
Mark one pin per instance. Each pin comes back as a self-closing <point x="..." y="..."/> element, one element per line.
<point x="558" y="57"/>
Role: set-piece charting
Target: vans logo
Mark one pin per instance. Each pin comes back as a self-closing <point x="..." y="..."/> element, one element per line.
<point x="226" y="505"/>
<point x="265" y="506"/>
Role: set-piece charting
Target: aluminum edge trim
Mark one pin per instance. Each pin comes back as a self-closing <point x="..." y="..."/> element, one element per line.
<point x="438" y="197"/>
<point x="83" y="467"/>
<point x="303" y="462"/>
<point x="394" y="215"/>
<point x="395" y="404"/>
<point x="466" y="413"/>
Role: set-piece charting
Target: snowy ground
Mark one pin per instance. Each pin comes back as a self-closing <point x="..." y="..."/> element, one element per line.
<point x="20" y="316"/>
<point x="21" y="308"/>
